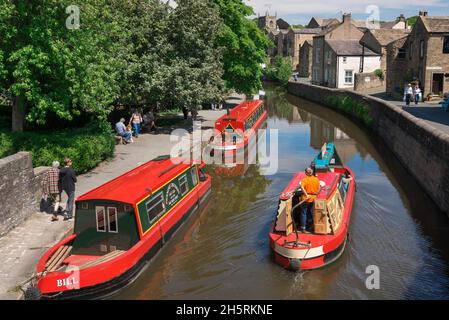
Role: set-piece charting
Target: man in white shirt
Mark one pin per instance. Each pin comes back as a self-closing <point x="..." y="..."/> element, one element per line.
<point x="408" y="94"/>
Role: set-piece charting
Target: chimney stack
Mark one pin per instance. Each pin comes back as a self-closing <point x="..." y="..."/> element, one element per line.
<point x="423" y="13"/>
<point x="347" y="17"/>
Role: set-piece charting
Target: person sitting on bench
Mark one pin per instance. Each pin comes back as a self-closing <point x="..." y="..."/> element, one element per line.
<point x="122" y="131"/>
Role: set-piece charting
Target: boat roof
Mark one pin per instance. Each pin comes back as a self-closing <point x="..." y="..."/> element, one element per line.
<point x="327" y="157"/>
<point x="135" y="185"/>
<point x="242" y="111"/>
<point x="329" y="178"/>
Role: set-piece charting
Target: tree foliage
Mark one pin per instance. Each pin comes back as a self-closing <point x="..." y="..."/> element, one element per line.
<point x="135" y="52"/>
<point x="244" y="46"/>
<point x="280" y="71"/>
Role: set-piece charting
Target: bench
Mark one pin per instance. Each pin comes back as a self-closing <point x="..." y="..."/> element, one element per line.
<point x="119" y="140"/>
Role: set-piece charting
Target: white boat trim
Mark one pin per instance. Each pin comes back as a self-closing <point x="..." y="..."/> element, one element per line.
<point x="299" y="253"/>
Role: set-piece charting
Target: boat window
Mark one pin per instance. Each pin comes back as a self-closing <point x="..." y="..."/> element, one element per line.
<point x="183" y="184"/>
<point x="342" y="188"/>
<point x="84" y="205"/>
<point x="101" y="219"/>
<point x="112" y="216"/>
<point x="155" y="207"/>
<point x="194" y="176"/>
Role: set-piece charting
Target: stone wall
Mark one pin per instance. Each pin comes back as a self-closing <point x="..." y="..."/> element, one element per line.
<point x="416" y="144"/>
<point x="20" y="190"/>
<point x="367" y="81"/>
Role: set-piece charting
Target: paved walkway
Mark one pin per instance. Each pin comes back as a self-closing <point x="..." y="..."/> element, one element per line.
<point x="21" y="248"/>
<point x="431" y="112"/>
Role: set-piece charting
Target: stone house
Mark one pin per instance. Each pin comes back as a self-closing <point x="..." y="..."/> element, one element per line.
<point x="295" y="40"/>
<point x="322" y="23"/>
<point x="423" y="57"/>
<point x="345" y="30"/>
<point x="377" y="40"/>
<point x="343" y="59"/>
<point x="399" y="24"/>
<point x="305" y="59"/>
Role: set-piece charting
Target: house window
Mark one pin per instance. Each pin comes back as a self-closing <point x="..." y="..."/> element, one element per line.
<point x="345" y="59"/>
<point x="101" y="219"/>
<point x="446" y="44"/>
<point x="348" y="76"/>
<point x="183" y="184"/>
<point x="113" y="221"/>
<point x="402" y="53"/>
<point x="318" y="53"/>
<point x="421" y="49"/>
<point x="155" y="207"/>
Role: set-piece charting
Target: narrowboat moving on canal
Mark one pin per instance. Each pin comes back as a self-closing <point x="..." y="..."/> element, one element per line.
<point x="238" y="128"/>
<point x="331" y="216"/>
<point x="119" y="227"/>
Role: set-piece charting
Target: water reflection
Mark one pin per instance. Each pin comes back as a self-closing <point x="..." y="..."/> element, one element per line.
<point x="223" y="252"/>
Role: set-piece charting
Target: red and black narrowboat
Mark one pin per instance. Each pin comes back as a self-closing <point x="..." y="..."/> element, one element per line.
<point x="331" y="216"/>
<point x="119" y="227"/>
<point x="237" y="129"/>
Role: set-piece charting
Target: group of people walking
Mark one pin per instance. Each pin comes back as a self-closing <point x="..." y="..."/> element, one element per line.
<point x="412" y="93"/>
<point x="56" y="180"/>
<point x="135" y="124"/>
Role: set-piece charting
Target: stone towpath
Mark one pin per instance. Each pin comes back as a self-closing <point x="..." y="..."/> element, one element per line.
<point x="22" y="247"/>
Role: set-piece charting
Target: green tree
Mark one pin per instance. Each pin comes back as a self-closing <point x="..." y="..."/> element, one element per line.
<point x="48" y="68"/>
<point x="280" y="71"/>
<point x="244" y="44"/>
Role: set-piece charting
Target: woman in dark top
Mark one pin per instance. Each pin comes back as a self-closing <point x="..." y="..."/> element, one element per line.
<point x="67" y="178"/>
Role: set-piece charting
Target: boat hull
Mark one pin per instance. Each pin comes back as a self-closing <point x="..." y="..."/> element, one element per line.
<point x="321" y="250"/>
<point x="125" y="278"/>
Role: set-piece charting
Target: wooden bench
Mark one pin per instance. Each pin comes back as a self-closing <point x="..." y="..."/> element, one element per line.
<point x="57" y="258"/>
<point x="119" y="140"/>
<point x="107" y="257"/>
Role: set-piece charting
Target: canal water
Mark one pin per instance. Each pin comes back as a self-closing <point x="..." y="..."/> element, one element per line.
<point x="223" y="251"/>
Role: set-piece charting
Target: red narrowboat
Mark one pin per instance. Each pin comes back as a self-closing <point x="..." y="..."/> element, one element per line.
<point x="238" y="128"/>
<point x="332" y="208"/>
<point x="119" y="227"/>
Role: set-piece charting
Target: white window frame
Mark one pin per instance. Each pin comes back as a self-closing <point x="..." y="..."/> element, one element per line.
<point x="184" y="181"/>
<point x="116" y="220"/>
<point x="161" y="195"/>
<point x="352" y="76"/>
<point x="97" y="209"/>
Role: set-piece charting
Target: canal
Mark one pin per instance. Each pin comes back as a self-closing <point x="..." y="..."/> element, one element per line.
<point x="223" y="251"/>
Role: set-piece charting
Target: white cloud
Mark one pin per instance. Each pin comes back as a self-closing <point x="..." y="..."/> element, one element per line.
<point x="327" y="7"/>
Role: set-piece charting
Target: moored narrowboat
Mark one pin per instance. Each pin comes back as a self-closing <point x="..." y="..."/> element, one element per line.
<point x="238" y="128"/>
<point x="296" y="250"/>
<point x="119" y="227"/>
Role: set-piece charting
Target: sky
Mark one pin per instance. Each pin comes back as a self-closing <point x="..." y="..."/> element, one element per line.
<point x="300" y="11"/>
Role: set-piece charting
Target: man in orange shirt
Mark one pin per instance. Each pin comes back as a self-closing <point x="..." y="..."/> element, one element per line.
<point x="310" y="187"/>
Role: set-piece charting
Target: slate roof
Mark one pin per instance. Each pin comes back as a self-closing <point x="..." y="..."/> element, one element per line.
<point x="349" y="48"/>
<point x="436" y="24"/>
<point x="387" y="36"/>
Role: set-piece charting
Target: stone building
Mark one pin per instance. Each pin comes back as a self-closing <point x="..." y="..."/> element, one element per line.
<point x="322" y="23"/>
<point x="295" y="40"/>
<point x="423" y="57"/>
<point x="346" y="31"/>
<point x="269" y="22"/>
<point x="399" y="24"/>
<point x="305" y="59"/>
<point x="377" y="40"/>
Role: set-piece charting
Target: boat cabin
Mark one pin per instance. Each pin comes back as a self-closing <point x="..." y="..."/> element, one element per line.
<point x="240" y="120"/>
<point x="118" y="214"/>
<point x="329" y="203"/>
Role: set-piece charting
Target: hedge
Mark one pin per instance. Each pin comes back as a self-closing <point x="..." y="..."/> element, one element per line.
<point x="87" y="146"/>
